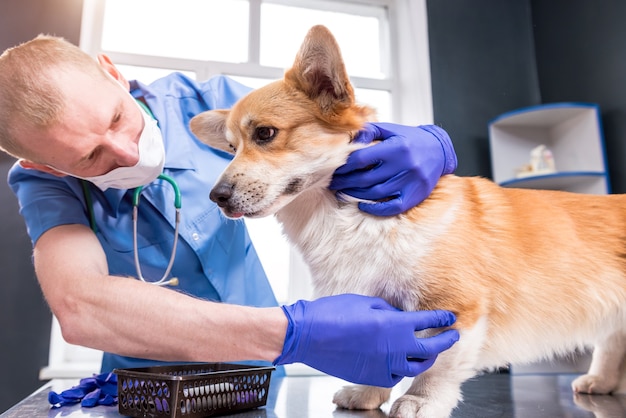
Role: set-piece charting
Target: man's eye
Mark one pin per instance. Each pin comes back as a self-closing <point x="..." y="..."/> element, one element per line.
<point x="92" y="155"/>
<point x="265" y="133"/>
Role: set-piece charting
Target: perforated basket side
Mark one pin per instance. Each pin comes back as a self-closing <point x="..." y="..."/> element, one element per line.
<point x="147" y="396"/>
<point x="217" y="395"/>
<point x="198" y="390"/>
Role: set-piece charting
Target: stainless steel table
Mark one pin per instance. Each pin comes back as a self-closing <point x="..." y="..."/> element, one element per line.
<point x="490" y="395"/>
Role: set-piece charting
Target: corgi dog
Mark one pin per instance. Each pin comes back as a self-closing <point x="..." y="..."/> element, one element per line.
<point x="529" y="273"/>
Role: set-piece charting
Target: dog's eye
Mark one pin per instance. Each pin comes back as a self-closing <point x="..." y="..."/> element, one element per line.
<point x="265" y="133"/>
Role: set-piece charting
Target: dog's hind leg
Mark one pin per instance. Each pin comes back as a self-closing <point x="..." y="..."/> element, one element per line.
<point x="607" y="366"/>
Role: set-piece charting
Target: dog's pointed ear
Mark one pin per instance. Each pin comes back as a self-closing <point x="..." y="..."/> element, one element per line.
<point x="210" y="128"/>
<point x="320" y="73"/>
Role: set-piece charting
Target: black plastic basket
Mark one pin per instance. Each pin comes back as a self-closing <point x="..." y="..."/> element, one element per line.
<point x="191" y="390"/>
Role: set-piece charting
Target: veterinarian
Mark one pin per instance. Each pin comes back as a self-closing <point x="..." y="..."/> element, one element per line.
<point x="84" y="143"/>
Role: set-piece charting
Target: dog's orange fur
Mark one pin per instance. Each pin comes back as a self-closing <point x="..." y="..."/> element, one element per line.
<point x="528" y="273"/>
<point x="511" y="240"/>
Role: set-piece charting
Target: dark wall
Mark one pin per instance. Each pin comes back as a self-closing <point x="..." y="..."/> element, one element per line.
<point x="482" y="64"/>
<point x="24" y="316"/>
<point x="581" y="56"/>
<point x="492" y="56"/>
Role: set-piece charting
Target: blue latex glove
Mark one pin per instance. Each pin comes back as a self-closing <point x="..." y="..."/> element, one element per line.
<point x="100" y="389"/>
<point x="363" y="339"/>
<point x="399" y="172"/>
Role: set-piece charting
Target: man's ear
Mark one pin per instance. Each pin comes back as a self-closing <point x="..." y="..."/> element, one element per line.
<point x="210" y="128"/>
<point x="320" y="73"/>
<point x="108" y="66"/>
<point x="41" y="167"/>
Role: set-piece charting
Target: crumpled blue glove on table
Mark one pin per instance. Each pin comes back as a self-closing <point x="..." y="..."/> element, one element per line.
<point x="100" y="389"/>
<point x="399" y="172"/>
<point x="363" y="339"/>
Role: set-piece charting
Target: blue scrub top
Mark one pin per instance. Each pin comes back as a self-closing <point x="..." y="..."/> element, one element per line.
<point x="215" y="258"/>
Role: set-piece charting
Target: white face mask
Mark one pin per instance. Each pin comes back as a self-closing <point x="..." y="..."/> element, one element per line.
<point x="147" y="169"/>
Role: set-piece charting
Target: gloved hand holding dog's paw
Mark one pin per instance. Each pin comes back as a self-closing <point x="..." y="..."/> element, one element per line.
<point x="399" y="172"/>
<point x="363" y="339"/>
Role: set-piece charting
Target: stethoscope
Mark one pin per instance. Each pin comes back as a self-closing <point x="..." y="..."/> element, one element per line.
<point x="163" y="281"/>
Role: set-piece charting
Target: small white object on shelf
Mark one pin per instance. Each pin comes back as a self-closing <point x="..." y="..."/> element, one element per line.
<point x="541" y="163"/>
<point x="571" y="132"/>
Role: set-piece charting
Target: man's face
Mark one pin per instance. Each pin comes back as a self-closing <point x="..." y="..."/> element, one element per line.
<point x="99" y="129"/>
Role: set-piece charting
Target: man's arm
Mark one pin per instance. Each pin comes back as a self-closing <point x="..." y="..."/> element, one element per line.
<point x="128" y="317"/>
<point x="358" y="338"/>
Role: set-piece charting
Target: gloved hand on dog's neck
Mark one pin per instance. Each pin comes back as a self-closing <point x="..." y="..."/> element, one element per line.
<point x="328" y="335"/>
<point x="397" y="173"/>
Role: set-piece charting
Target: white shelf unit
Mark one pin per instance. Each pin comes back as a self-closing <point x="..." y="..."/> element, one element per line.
<point x="572" y="131"/>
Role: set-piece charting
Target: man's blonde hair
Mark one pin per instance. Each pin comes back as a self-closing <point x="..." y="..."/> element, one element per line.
<point x="29" y="98"/>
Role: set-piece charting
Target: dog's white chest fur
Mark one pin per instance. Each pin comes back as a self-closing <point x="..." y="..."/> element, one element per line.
<point x="352" y="252"/>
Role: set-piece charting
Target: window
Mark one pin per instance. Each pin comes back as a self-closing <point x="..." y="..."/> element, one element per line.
<point x="384" y="44"/>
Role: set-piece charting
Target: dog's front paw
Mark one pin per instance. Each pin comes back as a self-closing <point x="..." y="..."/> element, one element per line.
<point x="412" y="406"/>
<point x="593" y="384"/>
<point x="361" y="397"/>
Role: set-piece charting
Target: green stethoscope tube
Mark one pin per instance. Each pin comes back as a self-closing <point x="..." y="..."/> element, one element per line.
<point x="177" y="205"/>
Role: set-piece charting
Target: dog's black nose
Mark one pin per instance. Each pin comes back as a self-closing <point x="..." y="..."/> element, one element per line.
<point x="221" y="193"/>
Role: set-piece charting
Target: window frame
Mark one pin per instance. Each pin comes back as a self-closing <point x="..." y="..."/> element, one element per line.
<point x="407" y="70"/>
